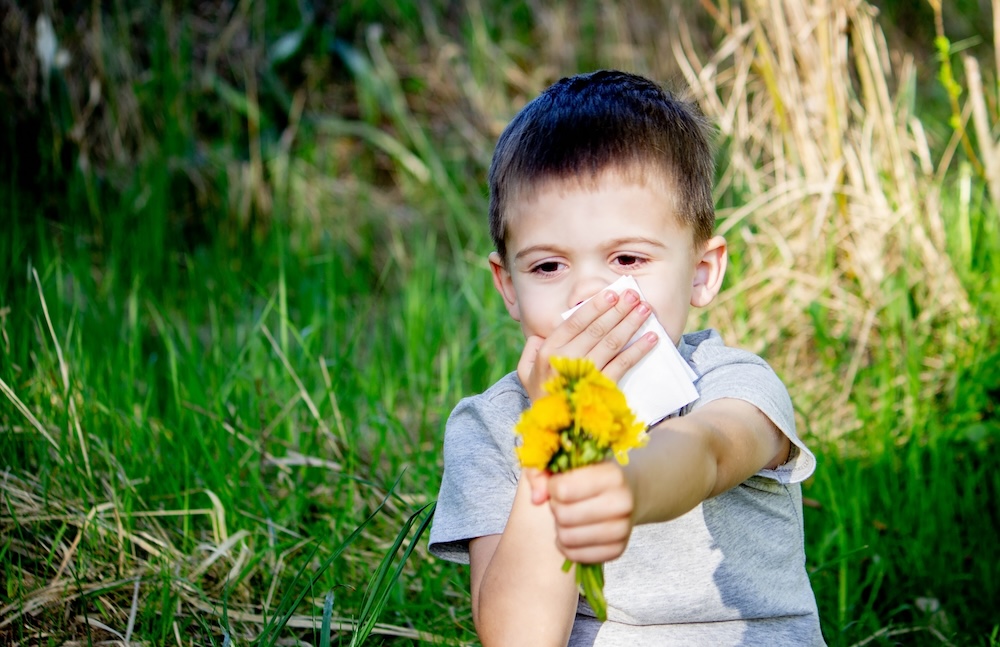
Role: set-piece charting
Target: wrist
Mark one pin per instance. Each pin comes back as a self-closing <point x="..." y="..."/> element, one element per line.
<point x="631" y="476"/>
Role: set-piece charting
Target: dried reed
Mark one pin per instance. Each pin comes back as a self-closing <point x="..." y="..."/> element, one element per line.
<point x="844" y="206"/>
<point x="839" y="218"/>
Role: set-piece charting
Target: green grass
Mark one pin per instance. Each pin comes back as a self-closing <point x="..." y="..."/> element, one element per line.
<point x="228" y="362"/>
<point x="199" y="406"/>
<point x="900" y="543"/>
<point x="187" y="408"/>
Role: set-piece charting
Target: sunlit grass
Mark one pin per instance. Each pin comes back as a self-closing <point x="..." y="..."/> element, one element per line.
<point x="227" y="358"/>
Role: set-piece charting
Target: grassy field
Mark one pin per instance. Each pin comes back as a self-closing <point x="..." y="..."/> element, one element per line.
<point x="244" y="284"/>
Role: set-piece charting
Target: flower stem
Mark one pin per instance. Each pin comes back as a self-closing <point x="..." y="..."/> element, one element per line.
<point x="590" y="582"/>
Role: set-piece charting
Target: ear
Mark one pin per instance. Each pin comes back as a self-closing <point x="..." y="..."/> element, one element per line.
<point x="504" y="285"/>
<point x="709" y="272"/>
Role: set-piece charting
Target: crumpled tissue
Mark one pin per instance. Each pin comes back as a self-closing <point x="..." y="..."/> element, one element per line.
<point x="661" y="382"/>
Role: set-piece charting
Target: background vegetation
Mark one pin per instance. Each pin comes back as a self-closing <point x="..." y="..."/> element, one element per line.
<point x="243" y="284"/>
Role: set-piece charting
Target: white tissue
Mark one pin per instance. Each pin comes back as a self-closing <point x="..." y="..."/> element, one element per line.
<point x="661" y="382"/>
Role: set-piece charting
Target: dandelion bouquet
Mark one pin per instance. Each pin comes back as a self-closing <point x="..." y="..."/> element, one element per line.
<point x="583" y="419"/>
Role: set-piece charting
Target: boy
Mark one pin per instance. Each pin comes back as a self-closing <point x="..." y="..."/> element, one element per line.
<point x="604" y="175"/>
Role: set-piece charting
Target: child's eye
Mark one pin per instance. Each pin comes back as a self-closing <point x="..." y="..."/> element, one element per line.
<point x="547" y="267"/>
<point x="628" y="260"/>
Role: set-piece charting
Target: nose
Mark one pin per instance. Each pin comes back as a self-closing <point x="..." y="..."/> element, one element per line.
<point x="587" y="285"/>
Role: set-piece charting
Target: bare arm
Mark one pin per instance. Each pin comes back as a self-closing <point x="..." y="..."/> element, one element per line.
<point x="520" y="596"/>
<point x="698" y="456"/>
<point x="687" y="460"/>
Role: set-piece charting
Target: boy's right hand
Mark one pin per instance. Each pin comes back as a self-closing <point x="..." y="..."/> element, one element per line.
<point x="592" y="507"/>
<point x="598" y="330"/>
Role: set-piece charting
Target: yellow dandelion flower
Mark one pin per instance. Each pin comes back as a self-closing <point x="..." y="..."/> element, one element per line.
<point x="573" y="369"/>
<point x="537" y="448"/>
<point x="633" y="434"/>
<point x="569" y="371"/>
<point x="552" y="411"/>
<point x="608" y="392"/>
<point x="539" y="429"/>
<point x="592" y="411"/>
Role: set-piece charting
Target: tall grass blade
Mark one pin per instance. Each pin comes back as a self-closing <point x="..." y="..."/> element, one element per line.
<point x="381" y="582"/>
<point x="378" y="75"/>
<point x="324" y="636"/>
<point x="26" y="412"/>
<point x="290" y="601"/>
<point x="64" y="372"/>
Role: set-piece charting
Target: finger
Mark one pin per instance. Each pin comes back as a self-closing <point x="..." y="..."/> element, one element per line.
<point x="593" y="554"/>
<point x="585" y="483"/>
<point x="625" y="360"/>
<point x="529" y="356"/>
<point x="581" y="320"/>
<point x="606" y="335"/>
<point x="606" y="507"/>
<point x="579" y="537"/>
<point x="618" y="328"/>
<point x="538" y="483"/>
<point x="608" y="318"/>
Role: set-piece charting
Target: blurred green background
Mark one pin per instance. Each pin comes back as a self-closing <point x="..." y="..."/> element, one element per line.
<point x="244" y="282"/>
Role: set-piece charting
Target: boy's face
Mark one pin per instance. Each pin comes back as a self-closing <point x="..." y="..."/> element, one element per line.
<point x="568" y="242"/>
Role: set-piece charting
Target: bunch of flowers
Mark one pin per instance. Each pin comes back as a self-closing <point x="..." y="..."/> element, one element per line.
<point x="583" y="419"/>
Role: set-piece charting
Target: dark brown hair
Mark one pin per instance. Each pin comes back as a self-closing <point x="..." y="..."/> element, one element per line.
<point x="583" y="125"/>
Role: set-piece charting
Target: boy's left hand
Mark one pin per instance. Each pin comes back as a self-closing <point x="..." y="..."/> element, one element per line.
<point x="592" y="507"/>
<point x="599" y="330"/>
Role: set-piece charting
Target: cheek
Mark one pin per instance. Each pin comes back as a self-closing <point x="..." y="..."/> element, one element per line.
<point x="540" y="324"/>
<point x="540" y="315"/>
<point x="670" y="305"/>
<point x="662" y="295"/>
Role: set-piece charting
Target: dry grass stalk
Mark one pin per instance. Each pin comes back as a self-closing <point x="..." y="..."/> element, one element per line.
<point x="120" y="556"/>
<point x="989" y="146"/>
<point x="843" y="205"/>
<point x="843" y="211"/>
<point x="202" y="580"/>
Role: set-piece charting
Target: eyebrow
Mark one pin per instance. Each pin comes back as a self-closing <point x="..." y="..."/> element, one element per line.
<point x="535" y="248"/>
<point x="618" y="242"/>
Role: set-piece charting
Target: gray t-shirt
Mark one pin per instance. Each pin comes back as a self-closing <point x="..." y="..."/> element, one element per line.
<point x="729" y="572"/>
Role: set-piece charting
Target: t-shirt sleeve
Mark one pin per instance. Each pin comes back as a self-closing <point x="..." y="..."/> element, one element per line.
<point x="480" y="472"/>
<point x="725" y="372"/>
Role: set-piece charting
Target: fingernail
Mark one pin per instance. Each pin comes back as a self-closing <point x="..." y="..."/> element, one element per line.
<point x="610" y="296"/>
<point x="643" y="309"/>
<point x="652" y="337"/>
<point x="631" y="296"/>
